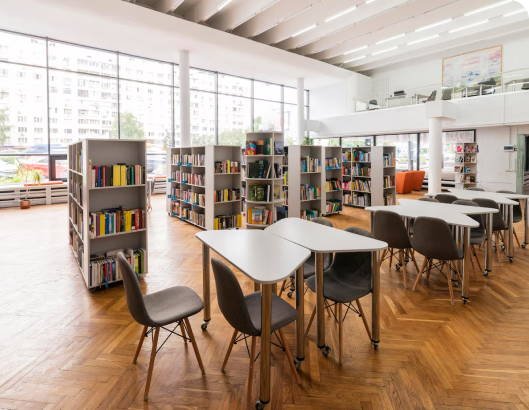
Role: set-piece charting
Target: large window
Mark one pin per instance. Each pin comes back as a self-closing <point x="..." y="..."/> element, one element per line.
<point x="406" y="149"/>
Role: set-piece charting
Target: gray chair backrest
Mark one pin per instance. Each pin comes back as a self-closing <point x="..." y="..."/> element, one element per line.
<point x="498" y="224"/>
<point x="478" y="218"/>
<point x="446" y="198"/>
<point x="432" y="237"/>
<point x="475" y="189"/>
<point x="447" y="94"/>
<point x="525" y="86"/>
<point x="432" y="96"/>
<point x="517" y="209"/>
<point x="231" y="299"/>
<point x="133" y="293"/>
<point x="389" y="227"/>
<point x="428" y="199"/>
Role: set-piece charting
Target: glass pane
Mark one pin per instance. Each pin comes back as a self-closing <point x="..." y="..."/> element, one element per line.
<point x="23" y="118"/>
<point x="176" y="117"/>
<point x="326" y="142"/>
<point x="267" y="116"/>
<point x="22" y="49"/>
<point x="149" y="71"/>
<point x="81" y="106"/>
<point x="176" y="75"/>
<point x="406" y="148"/>
<point x="291" y="124"/>
<point x="291" y="95"/>
<point x="202" y="118"/>
<point x="357" y="142"/>
<point x="307" y="98"/>
<point x="156" y="165"/>
<point x="235" y="119"/>
<point x="201" y="80"/>
<point x="60" y="168"/>
<point x="82" y="59"/>
<point x="267" y="91"/>
<point x="28" y="165"/>
<point x="235" y="85"/>
<point x="146" y="112"/>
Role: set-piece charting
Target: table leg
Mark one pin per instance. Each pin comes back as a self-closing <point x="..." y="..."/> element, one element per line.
<point x="459" y="242"/>
<point x="488" y="249"/>
<point x="266" y="342"/>
<point x="465" y="288"/>
<point x="320" y="308"/>
<point x="375" y="300"/>
<point x="510" y="233"/>
<point x="526" y="223"/>
<point x="206" y="281"/>
<point x="300" y="323"/>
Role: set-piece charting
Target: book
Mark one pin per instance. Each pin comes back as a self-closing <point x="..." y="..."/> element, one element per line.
<point x="251" y="148"/>
<point x="257" y="216"/>
<point x="279" y="148"/>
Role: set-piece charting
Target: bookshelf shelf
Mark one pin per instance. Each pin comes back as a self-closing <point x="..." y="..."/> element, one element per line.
<point x="118" y="233"/>
<point x="75" y="172"/>
<point x="116" y="187"/>
<point x="75" y="201"/>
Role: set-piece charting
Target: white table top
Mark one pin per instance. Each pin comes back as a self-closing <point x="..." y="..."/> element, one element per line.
<point x="509" y="196"/>
<point x="451" y="218"/>
<point x="467" y="194"/>
<point x="321" y="238"/>
<point x="264" y="258"/>
<point x="462" y="209"/>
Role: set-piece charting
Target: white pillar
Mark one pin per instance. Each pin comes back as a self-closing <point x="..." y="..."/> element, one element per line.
<point x="185" y="100"/>
<point x="435" y="153"/>
<point x="301" y="110"/>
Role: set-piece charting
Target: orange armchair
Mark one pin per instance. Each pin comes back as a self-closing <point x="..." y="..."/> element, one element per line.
<point x="417" y="180"/>
<point x="404" y="182"/>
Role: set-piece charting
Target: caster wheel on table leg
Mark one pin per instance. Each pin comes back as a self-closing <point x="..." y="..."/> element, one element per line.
<point x="375" y="345"/>
<point x="485" y="273"/>
<point x="502" y="247"/>
<point x="510" y="260"/>
<point x="523" y="245"/>
<point x="259" y="405"/>
<point x="204" y="325"/>
<point x="289" y="294"/>
<point x="465" y="301"/>
<point x="397" y="266"/>
<point x="297" y="363"/>
<point x="325" y="350"/>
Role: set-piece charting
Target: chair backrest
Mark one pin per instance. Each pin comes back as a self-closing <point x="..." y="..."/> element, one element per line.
<point x="389" y="227"/>
<point x="517" y="209"/>
<point x="475" y="189"/>
<point x="432" y="237"/>
<point x="428" y="199"/>
<point x="446" y="198"/>
<point x="432" y="96"/>
<point x="498" y="224"/>
<point x="525" y="86"/>
<point x="231" y="299"/>
<point x="447" y="94"/>
<point x="478" y="218"/>
<point x="373" y="102"/>
<point x="133" y="293"/>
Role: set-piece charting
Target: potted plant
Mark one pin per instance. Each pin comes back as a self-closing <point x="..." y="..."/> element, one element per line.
<point x="27" y="175"/>
<point x="307" y="140"/>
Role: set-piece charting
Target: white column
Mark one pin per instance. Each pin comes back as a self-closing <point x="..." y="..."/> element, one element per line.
<point x="301" y="110"/>
<point x="185" y="100"/>
<point x="435" y="153"/>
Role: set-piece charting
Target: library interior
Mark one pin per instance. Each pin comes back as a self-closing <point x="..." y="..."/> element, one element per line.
<point x="250" y="204"/>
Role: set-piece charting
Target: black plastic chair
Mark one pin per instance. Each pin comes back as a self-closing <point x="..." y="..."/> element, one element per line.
<point x="446" y="198"/>
<point x="525" y="86"/>
<point x="348" y="279"/>
<point x="477" y="235"/>
<point x="447" y="94"/>
<point x="517" y="215"/>
<point x="498" y="224"/>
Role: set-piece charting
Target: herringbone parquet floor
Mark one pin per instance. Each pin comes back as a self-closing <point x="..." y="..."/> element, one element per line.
<point x="62" y="347"/>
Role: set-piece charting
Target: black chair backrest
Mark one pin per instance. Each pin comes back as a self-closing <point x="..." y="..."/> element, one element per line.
<point x="135" y="301"/>
<point x="517" y="209"/>
<point x="475" y="189"/>
<point x="373" y="102"/>
<point x="498" y="224"/>
<point x="478" y="218"/>
<point x="231" y="299"/>
<point x="432" y="237"/>
<point x="432" y="96"/>
<point x="389" y="227"/>
<point x="428" y="199"/>
<point x="525" y="86"/>
<point x="446" y="198"/>
<point x="447" y="94"/>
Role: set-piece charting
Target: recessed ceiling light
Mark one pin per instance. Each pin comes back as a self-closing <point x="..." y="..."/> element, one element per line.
<point x="354" y="59"/>
<point x="384" y="51"/>
<point x="513" y="13"/>
<point x="469" y="26"/>
<point x="369" y="1"/>
<point x="223" y="4"/>
<point x="356" y="49"/>
<point x="391" y="38"/>
<point x="423" y="39"/>
<point x="501" y="3"/>
<point x="433" y="25"/>
<point x="340" y="14"/>
<point x="297" y="33"/>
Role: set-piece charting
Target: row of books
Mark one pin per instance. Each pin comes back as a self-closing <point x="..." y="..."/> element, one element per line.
<point x="388" y="200"/>
<point x="261" y="192"/>
<point x="227" y="167"/>
<point x="332" y="163"/>
<point x="175" y="193"/>
<point x="77" y="246"/>
<point x="262" y="216"/>
<point x="76" y="214"/>
<point x="467" y="149"/>
<point x="346" y="156"/>
<point x="197" y="160"/>
<point x="462" y="170"/>
<point x="176" y="176"/>
<point x="222" y="222"/>
<point x="363" y="185"/>
<point x="116" y="175"/>
<point x="105" y="269"/>
<point x="361" y="170"/>
<point x="225" y="195"/>
<point x="467" y="159"/>
<point x="115" y="220"/>
<point x="285" y="178"/>
<point x="185" y="196"/>
<point x="389" y="181"/>
<point x="388" y="160"/>
<point x="310" y="214"/>
<point x="309" y="192"/>
<point x="188" y="178"/>
<point x="333" y="205"/>
<point x="76" y="189"/>
<point x="357" y="199"/>
<point x="361" y="156"/>
<point x="284" y="194"/>
<point x="264" y="147"/>
<point x="309" y="164"/>
<point x="333" y="184"/>
<point x="469" y="179"/>
<point x="197" y="179"/>
<point x="262" y="169"/>
<point x="196" y="217"/>
<point x="194" y="198"/>
<point x="77" y="161"/>
<point x="346" y="171"/>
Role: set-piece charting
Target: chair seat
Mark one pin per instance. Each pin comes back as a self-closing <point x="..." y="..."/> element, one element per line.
<point x="171" y="305"/>
<point x="476" y="237"/>
<point x="336" y="290"/>
<point x="282" y="313"/>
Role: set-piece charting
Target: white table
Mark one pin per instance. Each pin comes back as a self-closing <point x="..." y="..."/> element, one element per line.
<point x="266" y="259"/>
<point x="322" y="239"/>
<point x="451" y="218"/>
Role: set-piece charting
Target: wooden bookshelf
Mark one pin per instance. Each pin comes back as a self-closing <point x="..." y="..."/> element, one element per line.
<point x="466" y="166"/>
<point x="330" y="173"/>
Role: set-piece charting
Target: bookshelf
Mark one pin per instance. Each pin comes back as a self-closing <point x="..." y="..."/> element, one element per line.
<point x="332" y="180"/>
<point x="466" y="166"/>
<point x="95" y="236"/>
<point x="257" y="158"/>
<point x="197" y="186"/>
<point x="243" y="181"/>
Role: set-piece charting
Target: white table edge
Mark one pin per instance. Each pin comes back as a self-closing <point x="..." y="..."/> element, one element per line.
<point x="485" y="210"/>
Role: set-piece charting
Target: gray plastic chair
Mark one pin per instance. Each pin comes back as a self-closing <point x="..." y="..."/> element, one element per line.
<point x="348" y="279"/>
<point x="475" y="189"/>
<point x="447" y="94"/>
<point x="517" y="215"/>
<point x="309" y="267"/>
<point x="498" y="224"/>
<point x="157" y="310"/>
<point x="243" y="313"/>
<point x="446" y="198"/>
<point x="389" y="227"/>
<point x="428" y="199"/>
<point x="433" y="238"/>
<point x="431" y="97"/>
<point x="477" y="235"/>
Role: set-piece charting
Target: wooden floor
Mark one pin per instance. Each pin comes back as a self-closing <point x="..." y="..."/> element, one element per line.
<point x="62" y="347"/>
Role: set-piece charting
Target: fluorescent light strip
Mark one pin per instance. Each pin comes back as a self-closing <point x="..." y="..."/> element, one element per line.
<point x="369" y="1"/>
<point x="385" y="51"/>
<point x="223" y="5"/>
<point x="297" y="33"/>
<point x="469" y="26"/>
<point x="356" y="49"/>
<point x="501" y="3"/>
<point x="265" y="29"/>
<point x="423" y="39"/>
<point x="354" y="59"/>
<point x="433" y="25"/>
<point x="340" y="14"/>
<point x="391" y="38"/>
<point x="513" y="13"/>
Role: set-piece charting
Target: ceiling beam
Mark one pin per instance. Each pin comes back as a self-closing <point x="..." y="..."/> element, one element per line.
<point x="204" y="10"/>
<point x="167" y="6"/>
<point x="245" y="10"/>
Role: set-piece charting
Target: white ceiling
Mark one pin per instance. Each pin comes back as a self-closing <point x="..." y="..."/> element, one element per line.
<point x="366" y="23"/>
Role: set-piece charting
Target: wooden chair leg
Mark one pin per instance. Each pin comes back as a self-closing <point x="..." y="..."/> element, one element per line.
<point x="420" y="274"/>
<point x="140" y="343"/>
<point x="232" y="342"/>
<point x="454" y="264"/>
<point x="429" y="269"/>
<point x="194" y="343"/>
<point x="329" y="307"/>
<point x="364" y="319"/>
<point x="476" y="256"/>
<point x="250" y="374"/>
<point x="498" y="246"/>
<point x="289" y="356"/>
<point x="450" y="289"/>
<point x="151" y="363"/>
<point x="282" y="288"/>
<point x="390" y="257"/>
<point x="403" y="265"/>
<point x="503" y="241"/>
<point x="340" y="333"/>
<point x="310" y="321"/>
<point x="183" y="330"/>
<point x="382" y="257"/>
<point x="516" y="237"/>
<point x="413" y="259"/>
